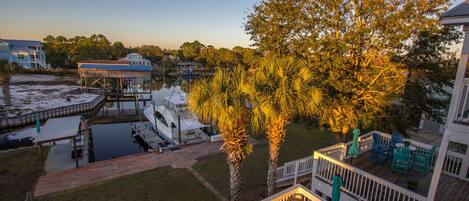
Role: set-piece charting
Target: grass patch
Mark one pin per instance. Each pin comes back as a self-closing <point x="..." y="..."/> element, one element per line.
<point x="19" y="171"/>
<point x="162" y="184"/>
<point x="300" y="142"/>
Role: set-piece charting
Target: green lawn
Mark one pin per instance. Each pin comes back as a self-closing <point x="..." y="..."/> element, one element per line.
<point x="300" y="142"/>
<point x="19" y="171"/>
<point x="161" y="184"/>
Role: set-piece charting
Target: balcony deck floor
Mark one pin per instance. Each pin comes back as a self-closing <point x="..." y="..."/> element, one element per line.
<point x="449" y="188"/>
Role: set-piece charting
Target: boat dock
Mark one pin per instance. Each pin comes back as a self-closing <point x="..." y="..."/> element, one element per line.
<point x="145" y="132"/>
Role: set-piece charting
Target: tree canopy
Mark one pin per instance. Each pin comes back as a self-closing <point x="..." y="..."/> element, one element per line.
<point x="63" y="52"/>
<point x="350" y="45"/>
<point x="431" y="68"/>
<point x="191" y="50"/>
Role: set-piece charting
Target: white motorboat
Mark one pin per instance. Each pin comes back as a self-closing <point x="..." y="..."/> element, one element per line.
<point x="164" y="118"/>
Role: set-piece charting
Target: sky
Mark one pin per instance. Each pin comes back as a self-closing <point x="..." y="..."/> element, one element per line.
<point x="166" y="23"/>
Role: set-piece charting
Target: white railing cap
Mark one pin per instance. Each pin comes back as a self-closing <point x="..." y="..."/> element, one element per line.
<point x="294" y="190"/>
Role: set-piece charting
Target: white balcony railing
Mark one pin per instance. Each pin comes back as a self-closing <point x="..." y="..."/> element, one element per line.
<point x="462" y="112"/>
<point x="359" y="183"/>
<point x="295" y="169"/>
<point x="296" y="192"/>
<point x="330" y="160"/>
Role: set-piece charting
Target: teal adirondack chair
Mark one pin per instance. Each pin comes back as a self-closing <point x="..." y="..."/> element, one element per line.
<point x="422" y="159"/>
<point x="396" y="137"/>
<point x="401" y="160"/>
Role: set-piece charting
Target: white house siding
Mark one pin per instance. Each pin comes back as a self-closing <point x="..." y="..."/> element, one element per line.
<point x="28" y="54"/>
<point x="136" y="59"/>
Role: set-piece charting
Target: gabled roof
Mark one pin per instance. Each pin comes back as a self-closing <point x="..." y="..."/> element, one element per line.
<point x="116" y="67"/>
<point x="134" y="54"/>
<point x="458" y="15"/>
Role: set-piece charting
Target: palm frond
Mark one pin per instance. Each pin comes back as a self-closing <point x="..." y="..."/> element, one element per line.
<point x="283" y="86"/>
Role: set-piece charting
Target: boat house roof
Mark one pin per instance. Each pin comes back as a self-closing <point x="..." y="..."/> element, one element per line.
<point x="459" y="15"/>
<point x="59" y="129"/>
<point x="116" y="67"/>
<point x="98" y="61"/>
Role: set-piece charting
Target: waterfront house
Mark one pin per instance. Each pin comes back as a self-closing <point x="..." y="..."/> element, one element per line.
<point x="447" y="176"/>
<point x="26" y="53"/>
<point x="136" y="59"/>
<point x="187" y="67"/>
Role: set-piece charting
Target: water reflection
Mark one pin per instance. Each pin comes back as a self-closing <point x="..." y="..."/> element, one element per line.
<point x="115" y="140"/>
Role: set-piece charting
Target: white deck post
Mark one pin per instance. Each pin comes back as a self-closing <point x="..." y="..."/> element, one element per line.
<point x="295" y="179"/>
<point x="458" y="83"/>
<point x="315" y="167"/>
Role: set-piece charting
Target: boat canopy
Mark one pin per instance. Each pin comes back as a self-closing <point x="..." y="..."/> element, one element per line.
<point x="59" y="129"/>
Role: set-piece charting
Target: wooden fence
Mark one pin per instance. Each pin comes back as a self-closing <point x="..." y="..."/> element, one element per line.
<point x="30" y="118"/>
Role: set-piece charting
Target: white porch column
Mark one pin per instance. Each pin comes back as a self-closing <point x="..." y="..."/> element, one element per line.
<point x="315" y="168"/>
<point x="458" y="83"/>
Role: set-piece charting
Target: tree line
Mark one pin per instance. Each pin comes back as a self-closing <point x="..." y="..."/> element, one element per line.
<point x="66" y="52"/>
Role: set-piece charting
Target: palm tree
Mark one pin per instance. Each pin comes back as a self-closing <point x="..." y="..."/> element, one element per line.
<point x="222" y="100"/>
<point x="282" y="90"/>
<point x="6" y="70"/>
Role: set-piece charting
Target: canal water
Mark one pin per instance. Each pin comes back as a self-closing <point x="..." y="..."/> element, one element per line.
<point x="115" y="139"/>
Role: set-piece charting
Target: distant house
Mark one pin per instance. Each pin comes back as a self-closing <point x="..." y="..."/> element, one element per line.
<point x="185" y="68"/>
<point x="26" y="53"/>
<point x="173" y="58"/>
<point x="188" y="65"/>
<point x="136" y="59"/>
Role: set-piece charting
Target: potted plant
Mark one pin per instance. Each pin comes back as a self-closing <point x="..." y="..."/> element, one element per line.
<point x="412" y="184"/>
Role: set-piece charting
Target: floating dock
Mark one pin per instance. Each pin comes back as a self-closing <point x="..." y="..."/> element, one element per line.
<point x="147" y="134"/>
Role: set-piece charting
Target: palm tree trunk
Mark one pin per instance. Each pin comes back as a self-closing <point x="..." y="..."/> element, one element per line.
<point x="236" y="148"/>
<point x="235" y="179"/>
<point x="275" y="135"/>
